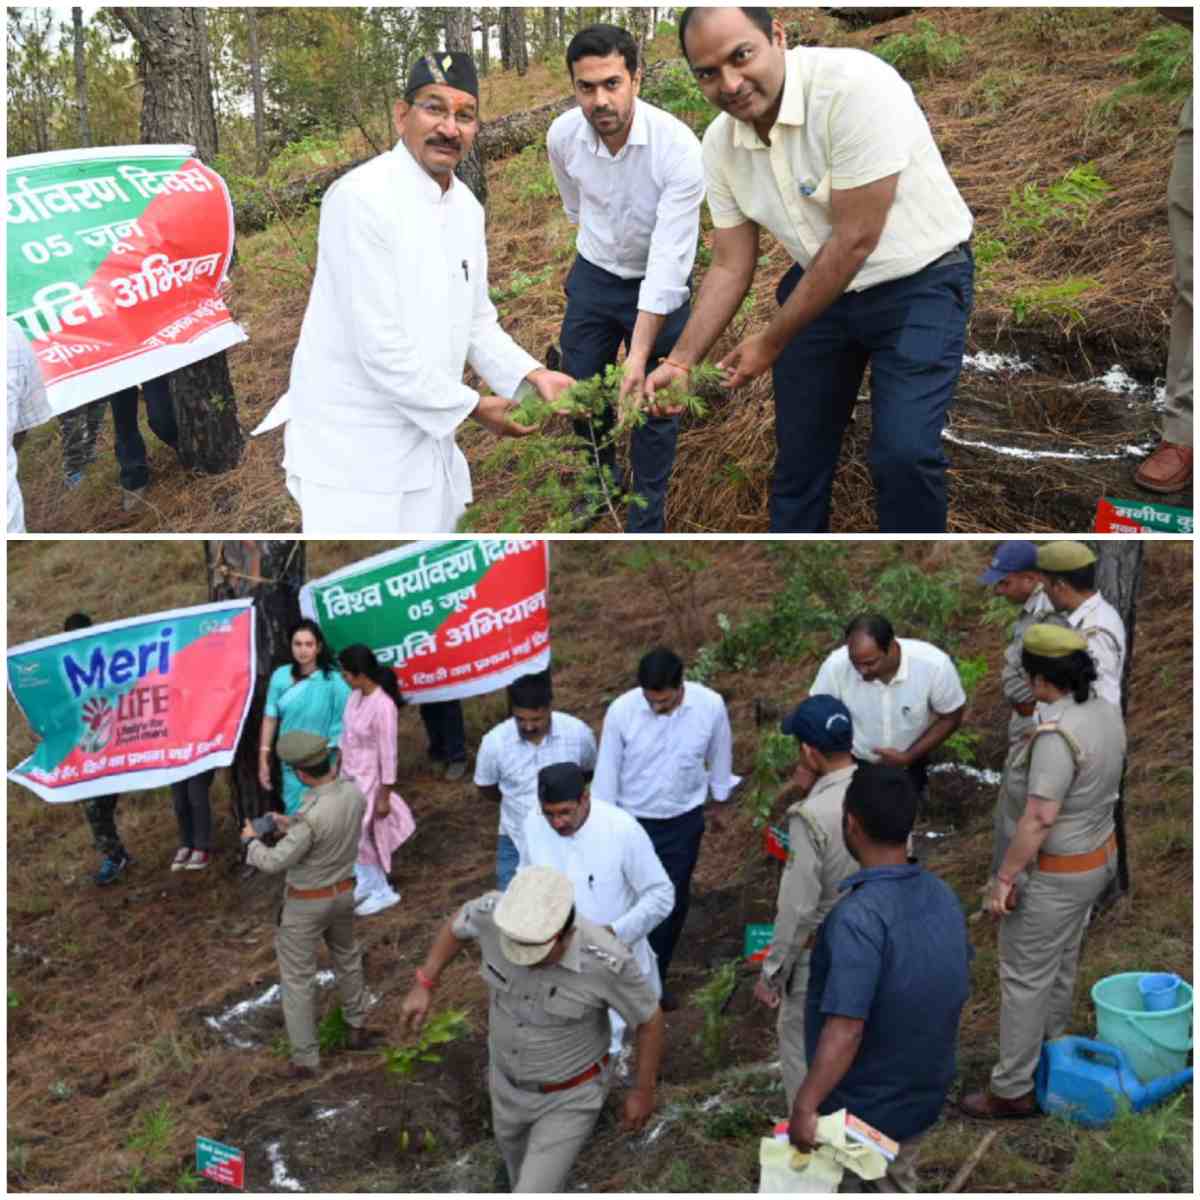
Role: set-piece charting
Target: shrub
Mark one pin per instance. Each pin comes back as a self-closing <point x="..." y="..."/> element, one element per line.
<point x="1162" y="64"/>
<point x="676" y="90"/>
<point x="923" y="52"/>
<point x="1032" y="208"/>
<point x="1057" y="301"/>
<point x="711" y="999"/>
<point x="440" y="1029"/>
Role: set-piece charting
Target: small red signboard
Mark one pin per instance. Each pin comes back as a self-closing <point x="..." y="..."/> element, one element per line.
<point x="775" y="843"/>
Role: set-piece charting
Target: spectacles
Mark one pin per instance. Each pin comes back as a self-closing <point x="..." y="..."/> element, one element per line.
<point x="439" y="112"/>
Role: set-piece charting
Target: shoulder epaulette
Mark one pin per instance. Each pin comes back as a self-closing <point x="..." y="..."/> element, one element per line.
<point x="612" y="961"/>
<point x="1072" y="741"/>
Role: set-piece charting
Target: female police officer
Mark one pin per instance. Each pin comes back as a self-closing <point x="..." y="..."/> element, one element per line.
<point x="1058" y="796"/>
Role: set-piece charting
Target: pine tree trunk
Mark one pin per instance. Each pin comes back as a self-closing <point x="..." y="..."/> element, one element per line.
<point x="81" y="102"/>
<point x="1119" y="578"/>
<point x="547" y="32"/>
<point x="506" y="39"/>
<point x="485" y="42"/>
<point x="458" y="37"/>
<point x="256" y="84"/>
<point x="520" y="44"/>
<point x="177" y="107"/>
<point x="272" y="574"/>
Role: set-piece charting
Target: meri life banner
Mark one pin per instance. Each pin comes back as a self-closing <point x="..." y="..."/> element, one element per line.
<point x="451" y="618"/>
<point x="115" y="255"/>
<point x="134" y="704"/>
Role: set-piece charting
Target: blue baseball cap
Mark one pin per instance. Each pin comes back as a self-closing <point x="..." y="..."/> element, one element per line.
<point x="822" y="722"/>
<point x="1010" y="557"/>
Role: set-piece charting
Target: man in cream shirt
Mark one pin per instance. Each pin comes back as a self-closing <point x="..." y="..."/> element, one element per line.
<point x="399" y="306"/>
<point x="828" y="150"/>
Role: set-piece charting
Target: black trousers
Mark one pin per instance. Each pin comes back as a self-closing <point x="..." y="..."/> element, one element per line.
<point x="130" y="445"/>
<point x="446" y="730"/>
<point x="676" y="841"/>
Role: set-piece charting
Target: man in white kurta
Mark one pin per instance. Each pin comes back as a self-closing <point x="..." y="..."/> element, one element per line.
<point x="608" y="856"/>
<point x="399" y="306"/>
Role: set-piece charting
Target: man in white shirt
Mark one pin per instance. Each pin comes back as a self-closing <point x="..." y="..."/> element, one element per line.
<point x="619" y="881"/>
<point x="1070" y="572"/>
<point x="905" y="697"/>
<point x="27" y="406"/>
<point x="399" y="306"/>
<point x="828" y="150"/>
<point x="631" y="178"/>
<point x="665" y="744"/>
<point x="511" y="755"/>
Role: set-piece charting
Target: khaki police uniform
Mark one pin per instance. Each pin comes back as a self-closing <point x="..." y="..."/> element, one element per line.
<point x="548" y="1037"/>
<point x="1075" y="757"/>
<point x="817" y="862"/>
<point x="1037" y="611"/>
<point x="318" y="855"/>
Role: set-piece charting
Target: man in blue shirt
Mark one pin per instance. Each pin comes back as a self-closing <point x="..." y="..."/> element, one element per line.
<point x="889" y="980"/>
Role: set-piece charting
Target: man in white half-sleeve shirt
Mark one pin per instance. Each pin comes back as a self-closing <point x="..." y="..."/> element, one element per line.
<point x="619" y="881"/>
<point x="905" y="697"/>
<point x="828" y="150"/>
<point x="1070" y="572"/>
<point x="631" y="178"/>
<point x="664" y="746"/>
<point x="511" y="755"/>
<point x="399" y="306"/>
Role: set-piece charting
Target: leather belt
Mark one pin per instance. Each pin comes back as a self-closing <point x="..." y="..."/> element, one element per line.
<point x="582" y="1077"/>
<point x="325" y="893"/>
<point x="960" y="254"/>
<point x="1074" y="864"/>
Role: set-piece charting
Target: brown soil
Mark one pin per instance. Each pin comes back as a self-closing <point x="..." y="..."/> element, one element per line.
<point x="114" y="985"/>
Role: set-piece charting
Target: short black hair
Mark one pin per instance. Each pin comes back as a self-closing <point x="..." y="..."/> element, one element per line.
<point x="1074" y="672"/>
<point x="759" y="16"/>
<point x="77" y="620"/>
<point x="531" y="691"/>
<point x="1082" y="579"/>
<point x="876" y="626"/>
<point x="599" y="41"/>
<point x="883" y="801"/>
<point x="659" y="670"/>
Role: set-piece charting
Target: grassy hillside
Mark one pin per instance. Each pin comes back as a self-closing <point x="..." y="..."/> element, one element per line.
<point x="1061" y="157"/>
<point x="114" y="1066"/>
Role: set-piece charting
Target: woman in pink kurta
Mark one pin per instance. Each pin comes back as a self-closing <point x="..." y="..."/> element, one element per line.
<point x="368" y="757"/>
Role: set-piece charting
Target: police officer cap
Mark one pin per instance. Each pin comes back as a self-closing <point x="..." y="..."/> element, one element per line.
<point x="1010" y="558"/>
<point x="823" y="722"/>
<point x="1053" y="641"/>
<point x="450" y="68"/>
<point x="559" y="783"/>
<point x="532" y="912"/>
<point x="1064" y="556"/>
<point x="300" y="749"/>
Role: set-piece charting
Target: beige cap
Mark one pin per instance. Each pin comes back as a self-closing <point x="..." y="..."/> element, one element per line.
<point x="532" y="912"/>
<point x="1064" y="556"/>
<point x="1053" y="641"/>
<point x="301" y="749"/>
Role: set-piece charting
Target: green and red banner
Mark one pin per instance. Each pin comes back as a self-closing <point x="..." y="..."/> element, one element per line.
<point x="1141" y="516"/>
<point x="134" y="704"/>
<point x="115" y="257"/>
<point x="451" y="618"/>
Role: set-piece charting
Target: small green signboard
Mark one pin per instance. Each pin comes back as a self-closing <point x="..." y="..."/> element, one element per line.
<point x="220" y="1163"/>
<point x="758" y="938"/>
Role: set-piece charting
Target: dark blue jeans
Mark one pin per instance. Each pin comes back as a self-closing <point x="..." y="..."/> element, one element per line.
<point x="446" y="731"/>
<point x="676" y="841"/>
<point x="130" y="445"/>
<point x="913" y="333"/>
<point x="602" y="310"/>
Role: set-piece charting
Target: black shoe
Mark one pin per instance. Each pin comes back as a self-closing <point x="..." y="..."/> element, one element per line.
<point x="296" y="1073"/>
<point x="668" y="1001"/>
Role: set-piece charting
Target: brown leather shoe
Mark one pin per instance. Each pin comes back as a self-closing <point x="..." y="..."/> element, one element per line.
<point x="363" y="1039"/>
<point x="988" y="1107"/>
<point x="295" y="1073"/>
<point x="1167" y="470"/>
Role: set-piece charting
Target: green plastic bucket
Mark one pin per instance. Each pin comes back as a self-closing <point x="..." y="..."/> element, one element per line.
<point x="1157" y="1043"/>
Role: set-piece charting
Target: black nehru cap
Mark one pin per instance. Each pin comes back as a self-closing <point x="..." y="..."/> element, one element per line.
<point x="451" y="68"/>
<point x="560" y="782"/>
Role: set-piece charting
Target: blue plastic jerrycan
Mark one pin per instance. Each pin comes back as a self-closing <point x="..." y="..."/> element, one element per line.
<point x="1086" y="1081"/>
